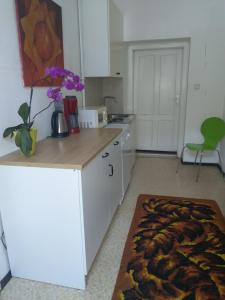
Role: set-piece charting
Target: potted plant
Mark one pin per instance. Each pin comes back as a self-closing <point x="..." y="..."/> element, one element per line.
<point x="23" y="133"/>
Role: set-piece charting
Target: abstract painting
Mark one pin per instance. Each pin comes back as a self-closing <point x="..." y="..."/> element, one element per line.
<point x="41" y="39"/>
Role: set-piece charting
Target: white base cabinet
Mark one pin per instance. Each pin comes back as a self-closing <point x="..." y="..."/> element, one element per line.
<point x="55" y="219"/>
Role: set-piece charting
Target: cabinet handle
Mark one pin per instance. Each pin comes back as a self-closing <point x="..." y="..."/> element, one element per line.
<point x="105" y="155"/>
<point x="116" y="143"/>
<point x="112" y="170"/>
<point x="117" y="73"/>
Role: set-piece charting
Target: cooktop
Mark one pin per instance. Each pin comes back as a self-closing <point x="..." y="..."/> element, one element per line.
<point x="120" y="118"/>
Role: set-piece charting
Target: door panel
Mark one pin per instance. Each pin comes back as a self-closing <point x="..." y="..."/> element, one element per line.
<point x="144" y="132"/>
<point x="167" y="84"/>
<point x="146" y="84"/>
<point x="165" y="131"/>
<point x="156" y="98"/>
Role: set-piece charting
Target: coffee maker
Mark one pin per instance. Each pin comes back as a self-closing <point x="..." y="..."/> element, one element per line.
<point x="71" y="113"/>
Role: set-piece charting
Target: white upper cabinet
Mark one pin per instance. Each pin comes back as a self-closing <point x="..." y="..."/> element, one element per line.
<point x="101" y="34"/>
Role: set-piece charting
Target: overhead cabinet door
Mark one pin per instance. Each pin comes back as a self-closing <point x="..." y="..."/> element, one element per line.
<point x="102" y="34"/>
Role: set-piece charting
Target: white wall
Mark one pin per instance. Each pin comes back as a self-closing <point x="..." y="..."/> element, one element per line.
<point x="223" y="146"/>
<point x="11" y="84"/>
<point x="201" y="20"/>
<point x="96" y="88"/>
<point x="93" y="91"/>
<point x="113" y="87"/>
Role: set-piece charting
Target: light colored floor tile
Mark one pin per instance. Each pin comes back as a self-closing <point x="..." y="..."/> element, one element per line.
<point x="150" y="176"/>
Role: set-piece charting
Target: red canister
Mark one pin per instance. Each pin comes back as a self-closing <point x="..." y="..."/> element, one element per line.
<point x="71" y="113"/>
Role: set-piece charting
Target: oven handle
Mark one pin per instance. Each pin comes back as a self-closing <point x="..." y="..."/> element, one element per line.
<point x="112" y="170"/>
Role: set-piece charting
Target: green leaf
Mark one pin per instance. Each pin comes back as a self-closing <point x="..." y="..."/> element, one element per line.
<point x="24" y="111"/>
<point x="25" y="141"/>
<point x="18" y="138"/>
<point x="9" y="131"/>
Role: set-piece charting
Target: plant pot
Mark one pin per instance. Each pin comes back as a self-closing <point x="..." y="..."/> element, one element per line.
<point x="33" y="135"/>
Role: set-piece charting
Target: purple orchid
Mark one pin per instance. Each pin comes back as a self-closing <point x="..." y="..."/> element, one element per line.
<point x="68" y="84"/>
<point x="79" y="87"/>
<point x="70" y="81"/>
<point x="55" y="72"/>
<point x="76" y="78"/>
<point x="55" y="94"/>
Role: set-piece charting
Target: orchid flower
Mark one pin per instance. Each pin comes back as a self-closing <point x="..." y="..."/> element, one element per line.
<point x="70" y="81"/>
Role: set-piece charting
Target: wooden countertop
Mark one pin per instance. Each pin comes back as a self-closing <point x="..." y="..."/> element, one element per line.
<point x="73" y="152"/>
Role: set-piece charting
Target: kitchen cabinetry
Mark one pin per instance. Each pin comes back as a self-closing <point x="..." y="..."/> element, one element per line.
<point x="102" y="184"/>
<point x="55" y="223"/>
<point x="102" y="34"/>
<point x="115" y="176"/>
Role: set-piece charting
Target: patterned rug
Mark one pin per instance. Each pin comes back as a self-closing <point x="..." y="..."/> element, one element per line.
<point x="175" y="250"/>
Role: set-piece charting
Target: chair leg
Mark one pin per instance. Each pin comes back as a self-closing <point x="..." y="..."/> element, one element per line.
<point x="181" y="158"/>
<point x="220" y="160"/>
<point x="199" y="166"/>
<point x="196" y="157"/>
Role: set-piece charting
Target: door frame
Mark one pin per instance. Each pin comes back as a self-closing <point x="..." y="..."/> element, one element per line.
<point x="159" y="45"/>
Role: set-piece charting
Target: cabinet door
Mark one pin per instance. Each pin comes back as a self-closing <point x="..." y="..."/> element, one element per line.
<point x="117" y="61"/>
<point x="115" y="174"/>
<point x="96" y="195"/>
<point x="115" y="23"/>
<point x="101" y="25"/>
<point x="95" y="37"/>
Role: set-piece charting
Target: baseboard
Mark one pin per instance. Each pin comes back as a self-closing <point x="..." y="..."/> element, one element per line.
<point x="5" y="280"/>
<point x="205" y="164"/>
<point x="150" y="153"/>
<point x="157" y="152"/>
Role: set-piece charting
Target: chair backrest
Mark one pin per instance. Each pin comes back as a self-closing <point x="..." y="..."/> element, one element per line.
<point x="213" y="130"/>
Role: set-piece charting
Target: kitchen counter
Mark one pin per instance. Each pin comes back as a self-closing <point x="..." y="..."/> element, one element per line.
<point x="73" y="152"/>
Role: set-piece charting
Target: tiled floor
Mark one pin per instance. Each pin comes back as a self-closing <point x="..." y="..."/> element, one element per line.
<point x="151" y="176"/>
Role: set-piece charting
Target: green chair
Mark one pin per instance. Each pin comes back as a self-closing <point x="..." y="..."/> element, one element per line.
<point x="213" y="130"/>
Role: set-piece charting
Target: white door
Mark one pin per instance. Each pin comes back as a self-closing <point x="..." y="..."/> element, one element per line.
<point x="157" y="85"/>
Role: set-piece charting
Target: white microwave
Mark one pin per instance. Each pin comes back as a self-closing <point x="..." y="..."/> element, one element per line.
<point x="92" y="117"/>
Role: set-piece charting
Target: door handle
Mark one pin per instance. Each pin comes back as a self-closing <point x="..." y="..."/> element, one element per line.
<point x="116" y="143"/>
<point x="112" y="170"/>
<point x="105" y="155"/>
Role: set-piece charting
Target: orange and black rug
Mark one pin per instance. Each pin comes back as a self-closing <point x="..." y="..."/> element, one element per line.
<point x="175" y="250"/>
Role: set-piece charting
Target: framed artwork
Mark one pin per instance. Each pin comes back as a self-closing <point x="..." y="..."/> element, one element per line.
<point x="41" y="39"/>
